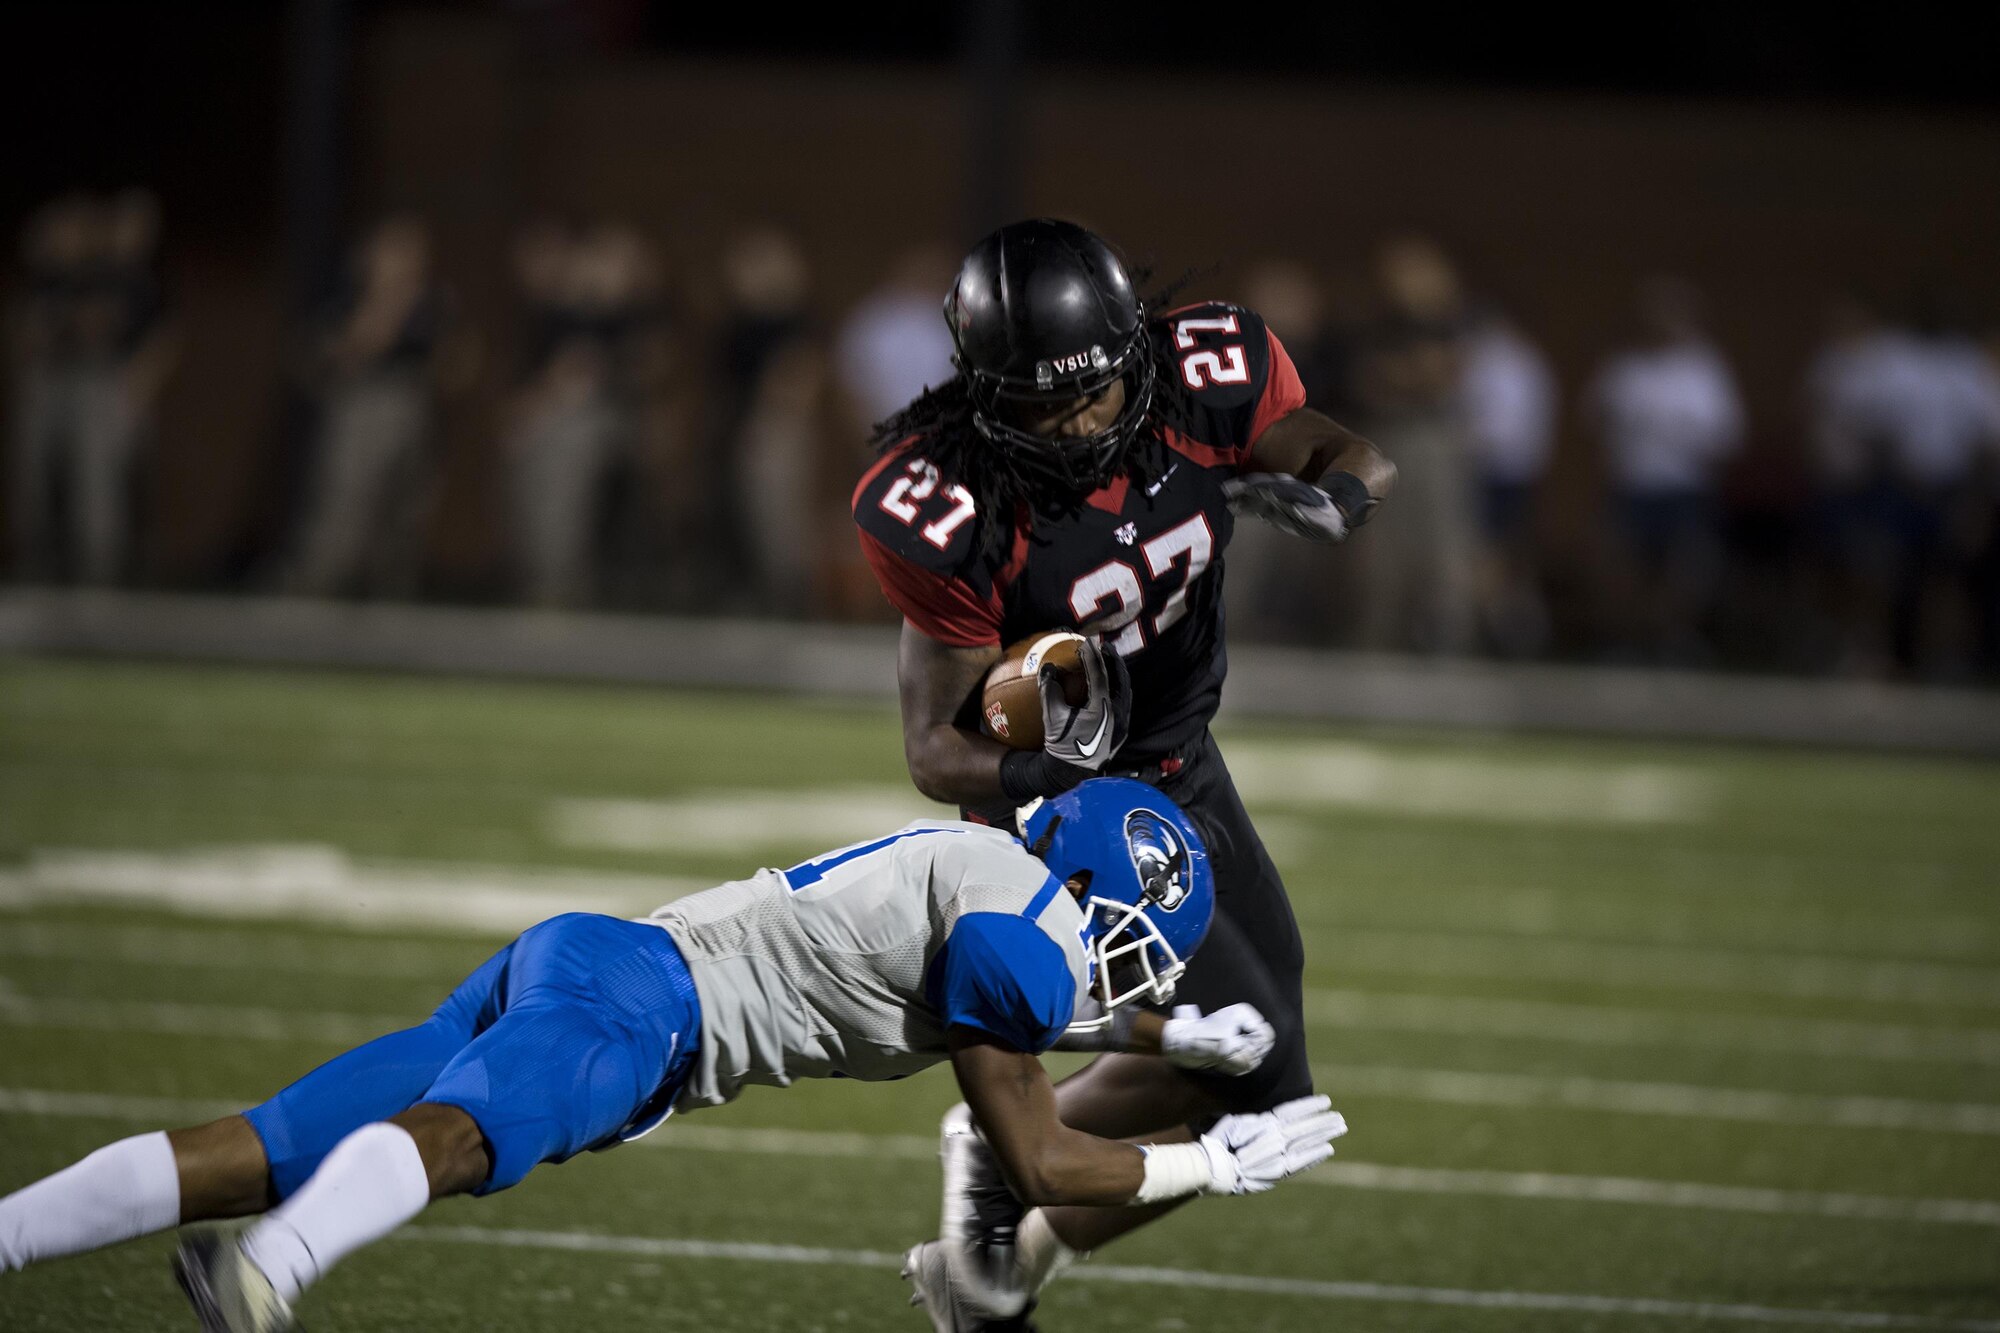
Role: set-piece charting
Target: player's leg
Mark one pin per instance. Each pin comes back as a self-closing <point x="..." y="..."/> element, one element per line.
<point x="240" y="1164"/>
<point x="1253" y="953"/>
<point x="1110" y="1096"/>
<point x="599" y="1018"/>
<point x="298" y="1127"/>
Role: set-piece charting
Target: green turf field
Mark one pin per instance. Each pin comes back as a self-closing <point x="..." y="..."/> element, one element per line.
<point x="1630" y="1037"/>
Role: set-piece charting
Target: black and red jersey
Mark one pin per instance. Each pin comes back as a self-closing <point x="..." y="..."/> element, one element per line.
<point x="1139" y="564"/>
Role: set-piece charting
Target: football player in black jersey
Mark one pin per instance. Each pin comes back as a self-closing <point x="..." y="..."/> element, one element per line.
<point x="1085" y="469"/>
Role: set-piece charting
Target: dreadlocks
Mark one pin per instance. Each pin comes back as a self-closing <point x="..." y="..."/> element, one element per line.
<point x="942" y="417"/>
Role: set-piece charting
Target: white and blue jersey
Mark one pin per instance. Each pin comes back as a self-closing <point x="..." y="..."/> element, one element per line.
<point x="589" y="1029"/>
<point x="853" y="964"/>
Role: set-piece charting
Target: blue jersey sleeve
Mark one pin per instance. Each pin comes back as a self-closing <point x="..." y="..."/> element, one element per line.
<point x="1002" y="974"/>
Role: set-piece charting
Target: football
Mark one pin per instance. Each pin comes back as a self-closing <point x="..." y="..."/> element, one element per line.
<point x="1010" y="708"/>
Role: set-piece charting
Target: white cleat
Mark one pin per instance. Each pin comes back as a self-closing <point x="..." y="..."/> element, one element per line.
<point x="952" y="1308"/>
<point x="980" y="1213"/>
<point x="970" y="1267"/>
<point x="229" y="1293"/>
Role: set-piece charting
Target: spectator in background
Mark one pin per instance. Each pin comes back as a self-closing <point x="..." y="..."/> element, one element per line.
<point x="1667" y="414"/>
<point x="596" y="358"/>
<point x="1509" y="394"/>
<point x="374" y="369"/>
<point x="1270" y="597"/>
<point x="892" y="345"/>
<point x="91" y="351"/>
<point x="1937" y="402"/>
<point x="769" y="384"/>
<point x="1294" y="305"/>
<point x="1407" y="378"/>
<point x="1985" y="504"/>
<point x="1846" y="393"/>
<point x="889" y="347"/>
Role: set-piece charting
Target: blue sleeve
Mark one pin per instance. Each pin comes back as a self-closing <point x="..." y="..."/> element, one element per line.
<point x="1002" y="974"/>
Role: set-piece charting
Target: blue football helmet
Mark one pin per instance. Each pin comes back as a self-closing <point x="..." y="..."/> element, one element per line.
<point x="1151" y="894"/>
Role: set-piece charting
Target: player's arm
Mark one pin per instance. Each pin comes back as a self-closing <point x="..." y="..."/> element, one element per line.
<point x="951" y="763"/>
<point x="933" y="680"/>
<point x="1048" y="1163"/>
<point x="1310" y="445"/>
<point x="1233" y="1040"/>
<point x="1312" y="477"/>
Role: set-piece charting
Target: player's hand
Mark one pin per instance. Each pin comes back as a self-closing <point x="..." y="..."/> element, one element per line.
<point x="1233" y="1040"/>
<point x="1288" y="504"/>
<point x="1248" y="1154"/>
<point x="1089" y="733"/>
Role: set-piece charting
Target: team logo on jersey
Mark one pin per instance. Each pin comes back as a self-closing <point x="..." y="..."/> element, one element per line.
<point x="996" y="720"/>
<point x="1127" y="533"/>
<point x="1160" y="858"/>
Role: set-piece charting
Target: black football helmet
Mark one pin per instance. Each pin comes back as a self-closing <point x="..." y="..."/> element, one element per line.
<point x="1043" y="312"/>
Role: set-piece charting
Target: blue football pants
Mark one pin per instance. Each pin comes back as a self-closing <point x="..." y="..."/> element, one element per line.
<point x="582" y="1026"/>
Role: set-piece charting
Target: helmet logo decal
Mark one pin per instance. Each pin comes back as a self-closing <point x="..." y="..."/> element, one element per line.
<point x="1074" y="363"/>
<point x="1160" y="858"/>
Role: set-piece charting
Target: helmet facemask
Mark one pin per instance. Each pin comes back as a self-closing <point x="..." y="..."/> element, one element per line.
<point x="1068" y="466"/>
<point x="1130" y="961"/>
<point x="1139" y="870"/>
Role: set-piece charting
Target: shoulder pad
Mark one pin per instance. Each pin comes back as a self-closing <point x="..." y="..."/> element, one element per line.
<point x="905" y="505"/>
<point x="1221" y="360"/>
<point x="1221" y="353"/>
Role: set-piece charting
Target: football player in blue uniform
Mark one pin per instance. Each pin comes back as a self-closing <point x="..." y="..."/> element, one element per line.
<point x="940" y="941"/>
<point x="1084" y="470"/>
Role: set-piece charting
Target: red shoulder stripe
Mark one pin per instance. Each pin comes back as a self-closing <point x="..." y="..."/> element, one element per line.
<point x="1202" y="455"/>
<point x="1283" y="392"/>
<point x="942" y="608"/>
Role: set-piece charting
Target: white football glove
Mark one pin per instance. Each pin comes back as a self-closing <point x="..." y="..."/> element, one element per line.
<point x="1233" y="1040"/>
<point x="1248" y="1154"/>
<point x="1089" y="733"/>
<point x="1288" y="504"/>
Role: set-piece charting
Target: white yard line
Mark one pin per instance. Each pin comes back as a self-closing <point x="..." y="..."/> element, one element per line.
<point x="1348" y="1010"/>
<point x="744" y="821"/>
<point x="684" y="1135"/>
<point x="1654" y="1193"/>
<point x="225" y="950"/>
<point x="1602" y="1025"/>
<point x="207" y="1020"/>
<point x="1338" y="776"/>
<point x="1386" y="781"/>
<point x="1568" y="1092"/>
<point x="115" y="1106"/>
<point x="1458" y="1087"/>
<point x="1340" y="1174"/>
<point x="1659" y="966"/>
<point x="578" y="1242"/>
<point x="319" y="883"/>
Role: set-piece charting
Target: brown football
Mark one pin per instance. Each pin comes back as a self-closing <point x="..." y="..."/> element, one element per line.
<point x="1010" y="709"/>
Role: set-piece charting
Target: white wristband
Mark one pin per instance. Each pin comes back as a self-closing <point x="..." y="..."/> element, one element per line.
<point x="1173" y="1171"/>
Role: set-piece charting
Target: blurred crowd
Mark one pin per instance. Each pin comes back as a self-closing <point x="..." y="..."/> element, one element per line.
<point x="1879" y="557"/>
<point x="90" y="346"/>
<point x="687" y="444"/>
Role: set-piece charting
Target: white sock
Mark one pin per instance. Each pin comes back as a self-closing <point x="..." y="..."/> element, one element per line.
<point x="371" y="1183"/>
<point x="129" y="1188"/>
<point x="1039" y="1254"/>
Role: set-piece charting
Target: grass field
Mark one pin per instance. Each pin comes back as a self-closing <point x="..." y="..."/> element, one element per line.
<point x="1630" y="1037"/>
